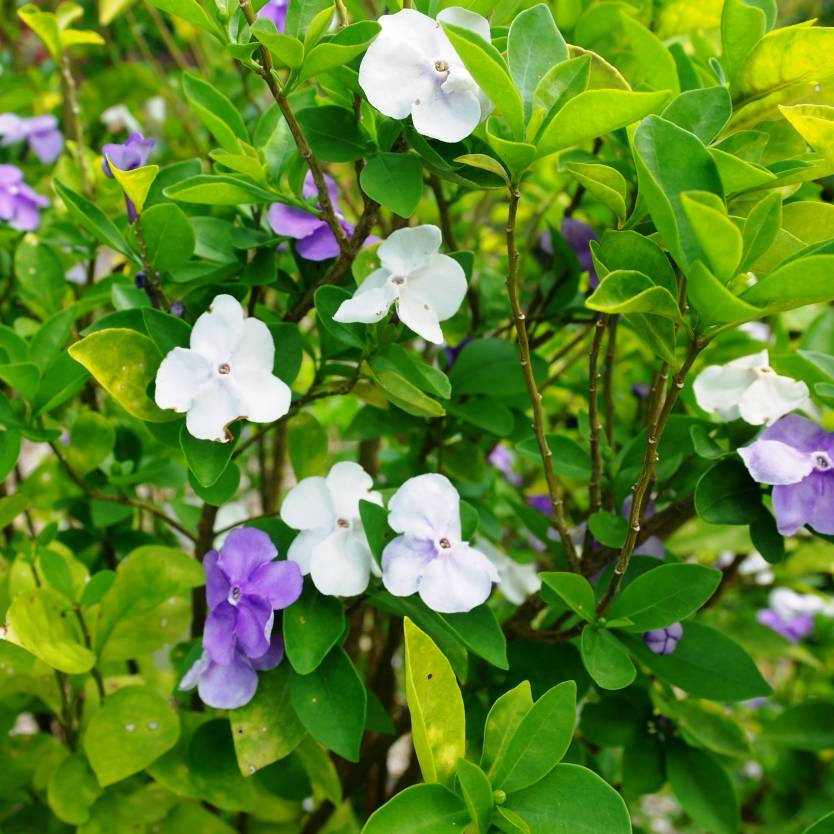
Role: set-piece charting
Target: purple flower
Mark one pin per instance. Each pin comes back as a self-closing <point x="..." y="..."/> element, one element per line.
<point x="244" y="586"/>
<point x="542" y="503"/>
<point x="19" y="205"/>
<point x="504" y="460"/>
<point x="276" y="11"/>
<point x="578" y="236"/>
<point x="664" y="640"/>
<point x="316" y="242"/>
<point x="792" y="629"/>
<point x="41" y="132"/>
<point x="795" y="456"/>
<point x="128" y="155"/>
<point x="233" y="685"/>
<point x="452" y="354"/>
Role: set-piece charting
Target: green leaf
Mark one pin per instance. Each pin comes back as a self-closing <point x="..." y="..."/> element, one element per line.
<point x="627" y="291"/>
<point x="808" y="726"/>
<point x="312" y="625"/>
<point x="267" y="728"/>
<point x="331" y="703"/>
<point x="216" y="112"/>
<point x="534" y="45"/>
<point x="286" y="50"/>
<point x="167" y="331"/>
<point x="307" y="442"/>
<point x="168" y="236"/>
<point x="726" y="494"/>
<point x="539" y="742"/>
<point x="131" y="729"/>
<point x="375" y="526"/>
<point x="341" y="49"/>
<point x="436" y="707"/>
<point x="760" y="229"/>
<point x="671" y="161"/>
<point x="72" y="789"/>
<point x="595" y="113"/>
<point x="328" y="299"/>
<point x="742" y="25"/>
<point x="48" y="340"/>
<point x="394" y="180"/>
<point x="605" y="183"/>
<point x="706" y="664"/>
<point x="333" y="133"/>
<point x="795" y="284"/>
<point x="492" y="367"/>
<point x="94" y="220"/>
<point x="403" y="394"/>
<point x="703" y="112"/>
<point x="477" y="794"/>
<point x="420" y="809"/>
<point x="517" y="156"/>
<point x="191" y="11"/>
<point x="719" y="238"/>
<point x="479" y="630"/>
<point x="42" y="621"/>
<point x="709" y="727"/>
<point x="608" y="529"/>
<point x="206" y="459"/>
<point x="606" y="659"/>
<point x="136" y="183"/>
<point x="576" y="592"/>
<point x="571" y="800"/>
<point x="40" y="279"/>
<point x="665" y="595"/>
<point x="712" y="300"/>
<point x="703" y="789"/>
<point x="488" y="68"/>
<point x="123" y="362"/>
<point x="485" y="163"/>
<point x="425" y="377"/>
<point x="214" y="190"/>
<point x="823" y="826"/>
<point x="644" y="766"/>
<point x="569" y="458"/>
<point x="560" y="84"/>
<point x="503" y="720"/>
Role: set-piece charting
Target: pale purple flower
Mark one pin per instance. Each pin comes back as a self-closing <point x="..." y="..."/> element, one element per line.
<point x="244" y="586"/>
<point x="795" y="456"/>
<point x="429" y="557"/>
<point x="315" y="240"/>
<point x="793" y="630"/>
<point x="792" y="614"/>
<point x="19" y="205"/>
<point x="504" y="461"/>
<point x="276" y="11"/>
<point x="664" y="640"/>
<point x="129" y="155"/>
<point x="41" y="132"/>
<point x="233" y="685"/>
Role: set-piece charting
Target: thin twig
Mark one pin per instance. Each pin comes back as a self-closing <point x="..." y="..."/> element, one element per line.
<point x="595" y="427"/>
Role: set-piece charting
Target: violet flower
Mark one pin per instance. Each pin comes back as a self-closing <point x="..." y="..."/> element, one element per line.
<point x="276" y="11"/>
<point x="795" y="456"/>
<point x="503" y="459"/>
<point x="40" y="132"/>
<point x="244" y="586"/>
<point x="664" y="640"/>
<point x="792" y="614"/>
<point x="793" y="630"/>
<point x="19" y="205"/>
<point x="129" y="155"/>
<point x="315" y="240"/>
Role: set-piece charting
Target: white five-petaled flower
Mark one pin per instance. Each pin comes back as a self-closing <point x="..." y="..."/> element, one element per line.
<point x="430" y="557"/>
<point x="750" y="389"/>
<point x="411" y="69"/>
<point x="426" y="287"/>
<point x="332" y="546"/>
<point x="224" y="375"/>
<point x="517" y="581"/>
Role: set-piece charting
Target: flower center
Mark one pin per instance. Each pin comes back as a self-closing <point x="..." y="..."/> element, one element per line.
<point x="235" y="594"/>
<point x="444" y="543"/>
<point x="398" y="281"/>
<point x="441" y="66"/>
<point x="342" y="522"/>
<point x="822" y="462"/>
<point x="224" y="369"/>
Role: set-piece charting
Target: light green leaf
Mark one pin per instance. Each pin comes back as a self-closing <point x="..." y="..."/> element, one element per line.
<point x="605" y="183"/>
<point x="503" y="720"/>
<point x="168" y="236"/>
<point x="72" y="789"/>
<point x="341" y="49"/>
<point x="576" y="592"/>
<point x="212" y="190"/>
<point x="477" y="794"/>
<point x="420" y="809"/>
<point x="286" y="50"/>
<point x="797" y="283"/>
<point x="628" y="291"/>
<point x="191" y="11"/>
<point x="719" y="238"/>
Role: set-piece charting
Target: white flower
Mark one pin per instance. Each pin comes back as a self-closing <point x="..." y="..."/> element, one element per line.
<point x="224" y="375"/>
<point x="749" y="388"/>
<point x="331" y="546"/>
<point x="411" y="69"/>
<point x="517" y="581"/>
<point x="789" y="604"/>
<point x="430" y="558"/>
<point x="426" y="287"/>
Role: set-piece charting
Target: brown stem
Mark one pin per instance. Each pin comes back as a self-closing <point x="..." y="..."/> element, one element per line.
<point x="73" y="123"/>
<point x="553" y="488"/>
<point x="594" y="375"/>
<point x="608" y="381"/>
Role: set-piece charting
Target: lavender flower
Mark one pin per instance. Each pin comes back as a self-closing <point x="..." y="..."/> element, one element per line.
<point x="276" y="11"/>
<point x="795" y="456"/>
<point x="504" y="460"/>
<point x="127" y="156"/>
<point x="791" y="614"/>
<point x="244" y="586"/>
<point x="41" y="132"/>
<point x="316" y="242"/>
<point x="664" y="640"/>
<point x="793" y="630"/>
<point x="19" y="205"/>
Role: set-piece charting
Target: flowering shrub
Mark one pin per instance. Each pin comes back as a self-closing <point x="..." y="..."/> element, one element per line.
<point x="416" y="420"/>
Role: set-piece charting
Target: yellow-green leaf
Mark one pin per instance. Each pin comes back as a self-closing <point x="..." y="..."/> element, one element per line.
<point x="815" y="124"/>
<point x="605" y="183"/>
<point x="136" y="183"/>
<point x="717" y="235"/>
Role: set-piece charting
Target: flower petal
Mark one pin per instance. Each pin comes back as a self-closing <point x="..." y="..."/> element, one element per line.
<point x="367" y="306"/>
<point x="348" y="483"/>
<point x="448" y="113"/>
<point x="254" y="625"/>
<point x="772" y="462"/>
<point x="192" y="677"/>
<point x="341" y="564"/>
<point x="263" y="397"/>
<point x="798" y="432"/>
<point x="718" y="389"/>
<point x="458" y="16"/>
<point x="273" y="657"/>
<point x="772" y="396"/>
<point x="255" y="348"/>
<point x="244" y="551"/>
<point x="215" y="407"/>
<point x="279" y="583"/>
<point x="301" y="549"/>
<point x="441" y="283"/>
<point x="230" y="686"/>
<point x="219" y="633"/>
<point x="218" y="330"/>
<point x="457" y="581"/>
<point x="426" y="507"/>
<point x="309" y="505"/>
<point x="181" y="377"/>
<point x="408" y="249"/>
<point x="289" y="221"/>
<point x="403" y="562"/>
<point x="419" y="316"/>
<point x="817" y="492"/>
<point x="320" y="244"/>
<point x="47" y="145"/>
<point x="217" y="584"/>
